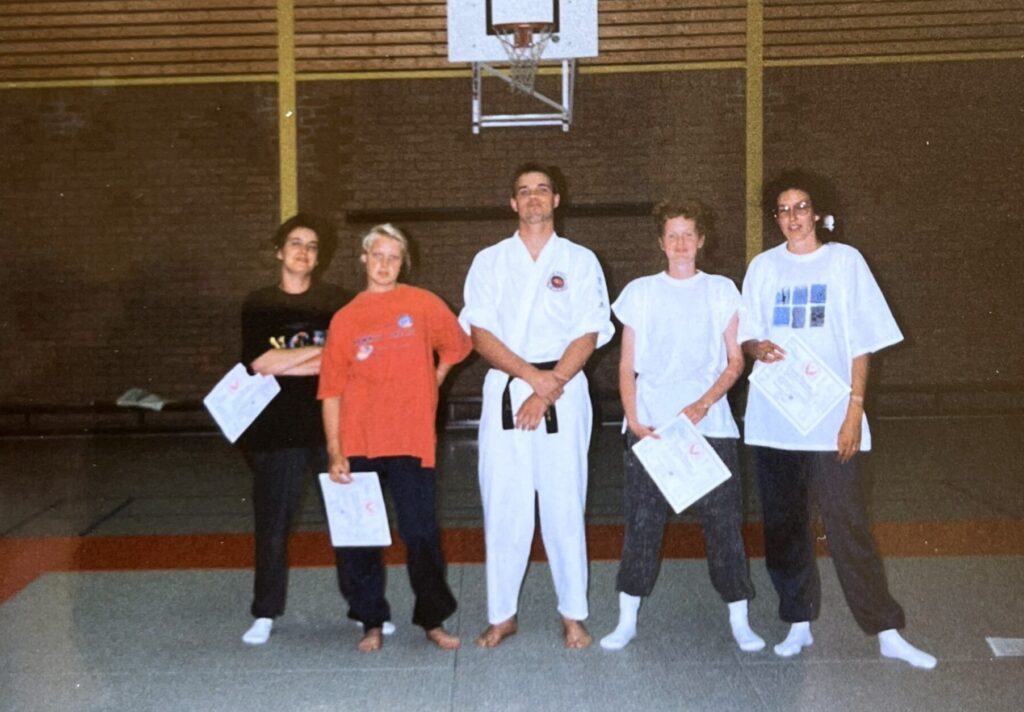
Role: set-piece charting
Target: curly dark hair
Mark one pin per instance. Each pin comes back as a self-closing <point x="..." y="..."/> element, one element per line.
<point x="818" y="187"/>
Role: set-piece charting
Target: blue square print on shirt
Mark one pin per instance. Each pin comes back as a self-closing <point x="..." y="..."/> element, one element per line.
<point x="817" y="316"/>
<point x="800" y="295"/>
<point x="799" y="317"/>
<point x="818" y="293"/>
<point x="780" y="316"/>
<point x="782" y="296"/>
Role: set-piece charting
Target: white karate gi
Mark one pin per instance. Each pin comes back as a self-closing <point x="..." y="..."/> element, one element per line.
<point x="536" y="309"/>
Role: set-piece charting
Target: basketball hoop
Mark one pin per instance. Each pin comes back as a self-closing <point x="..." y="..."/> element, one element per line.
<point x="524" y="43"/>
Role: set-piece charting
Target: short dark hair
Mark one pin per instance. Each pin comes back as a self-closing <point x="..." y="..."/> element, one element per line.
<point x="689" y="208"/>
<point x="553" y="174"/>
<point x="327" y="241"/>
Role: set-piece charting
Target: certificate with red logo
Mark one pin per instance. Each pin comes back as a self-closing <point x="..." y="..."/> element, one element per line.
<point x="681" y="462"/>
<point x="801" y="386"/>
<point x="238" y="398"/>
<point x="355" y="512"/>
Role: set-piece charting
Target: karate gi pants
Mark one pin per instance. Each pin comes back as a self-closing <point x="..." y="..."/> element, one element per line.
<point x="278" y="479"/>
<point x="517" y="466"/>
<point x="787" y="479"/>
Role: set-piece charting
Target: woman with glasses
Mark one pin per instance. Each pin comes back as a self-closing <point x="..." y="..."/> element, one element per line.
<point x="824" y="294"/>
<point x="679" y="355"/>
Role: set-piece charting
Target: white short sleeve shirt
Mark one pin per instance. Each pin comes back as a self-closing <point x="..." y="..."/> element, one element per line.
<point x="679" y="346"/>
<point x="831" y="300"/>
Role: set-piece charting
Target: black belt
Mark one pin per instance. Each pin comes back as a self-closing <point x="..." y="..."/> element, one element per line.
<point x="550" y="415"/>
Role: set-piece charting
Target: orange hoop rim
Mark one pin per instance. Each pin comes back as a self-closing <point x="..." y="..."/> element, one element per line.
<point x="520" y="34"/>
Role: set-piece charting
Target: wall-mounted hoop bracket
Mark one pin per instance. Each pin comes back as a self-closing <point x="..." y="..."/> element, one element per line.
<point x="562" y="115"/>
<point x="516" y="41"/>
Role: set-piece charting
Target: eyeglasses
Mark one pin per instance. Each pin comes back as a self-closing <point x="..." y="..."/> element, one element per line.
<point x="802" y="208"/>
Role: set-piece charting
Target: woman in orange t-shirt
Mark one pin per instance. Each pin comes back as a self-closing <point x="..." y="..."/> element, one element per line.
<point x="378" y="383"/>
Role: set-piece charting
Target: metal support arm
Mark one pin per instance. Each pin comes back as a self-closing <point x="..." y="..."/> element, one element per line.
<point x="563" y="116"/>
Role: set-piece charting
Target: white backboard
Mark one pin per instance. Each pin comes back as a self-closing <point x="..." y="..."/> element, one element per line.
<point x="471" y="35"/>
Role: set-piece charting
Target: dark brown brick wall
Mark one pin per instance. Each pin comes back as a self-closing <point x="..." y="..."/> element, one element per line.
<point x="928" y="161"/>
<point x="407" y="144"/>
<point x="133" y="217"/>
<point x="130" y="221"/>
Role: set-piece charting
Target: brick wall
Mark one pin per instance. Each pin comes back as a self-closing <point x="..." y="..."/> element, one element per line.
<point x="407" y="144"/>
<point x="928" y="160"/>
<point x="133" y="217"/>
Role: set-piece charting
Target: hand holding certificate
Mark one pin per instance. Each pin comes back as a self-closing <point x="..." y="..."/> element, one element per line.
<point x="238" y="399"/>
<point x="681" y="462"/>
<point x="355" y="511"/>
<point x="801" y="386"/>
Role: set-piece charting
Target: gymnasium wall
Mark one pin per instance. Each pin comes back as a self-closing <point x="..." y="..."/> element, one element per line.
<point x="135" y="217"/>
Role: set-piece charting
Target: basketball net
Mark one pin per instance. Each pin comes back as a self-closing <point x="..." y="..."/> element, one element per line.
<point x="524" y="50"/>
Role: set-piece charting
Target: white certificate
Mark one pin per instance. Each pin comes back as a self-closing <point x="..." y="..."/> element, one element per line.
<point x="238" y="398"/>
<point x="355" y="512"/>
<point x="801" y="386"/>
<point x="681" y="462"/>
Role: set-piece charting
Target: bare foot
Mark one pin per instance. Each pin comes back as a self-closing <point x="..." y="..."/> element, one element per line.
<point x="372" y="641"/>
<point x="496" y="633"/>
<point x="443" y="639"/>
<point x="576" y="635"/>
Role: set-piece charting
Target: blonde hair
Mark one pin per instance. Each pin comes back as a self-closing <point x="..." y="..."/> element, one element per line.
<point x="388" y="230"/>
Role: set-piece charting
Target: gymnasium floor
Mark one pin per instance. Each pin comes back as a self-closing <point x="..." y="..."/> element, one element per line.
<point x="125" y="583"/>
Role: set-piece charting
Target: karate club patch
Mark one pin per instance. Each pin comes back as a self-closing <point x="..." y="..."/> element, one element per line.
<point x="405" y="321"/>
<point x="557" y="282"/>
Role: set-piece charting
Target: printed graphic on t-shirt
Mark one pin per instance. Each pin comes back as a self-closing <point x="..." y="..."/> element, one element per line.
<point x="299" y="339"/>
<point x="381" y="342"/>
<point x="800" y="306"/>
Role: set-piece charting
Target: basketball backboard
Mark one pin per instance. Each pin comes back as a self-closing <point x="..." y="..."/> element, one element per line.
<point x="471" y="35"/>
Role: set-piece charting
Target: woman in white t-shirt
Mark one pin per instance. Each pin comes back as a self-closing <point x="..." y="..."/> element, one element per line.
<point x="680" y="356"/>
<point x="823" y="295"/>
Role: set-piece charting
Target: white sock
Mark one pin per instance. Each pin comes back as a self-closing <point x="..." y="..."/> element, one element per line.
<point x="747" y="639"/>
<point x="259" y="632"/>
<point x="799" y="638"/>
<point x="892" y="645"/>
<point x="625" y="631"/>
<point x="387" y="627"/>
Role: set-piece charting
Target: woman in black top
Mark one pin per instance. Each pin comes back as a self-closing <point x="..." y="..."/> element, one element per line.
<point x="283" y="331"/>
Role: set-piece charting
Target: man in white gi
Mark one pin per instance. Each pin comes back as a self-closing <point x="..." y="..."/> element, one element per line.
<point x="536" y="308"/>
